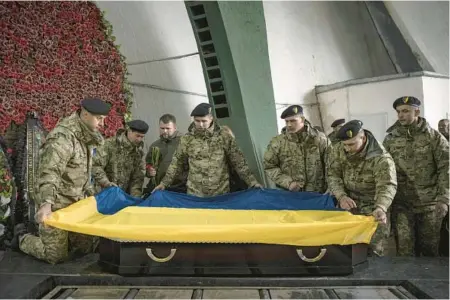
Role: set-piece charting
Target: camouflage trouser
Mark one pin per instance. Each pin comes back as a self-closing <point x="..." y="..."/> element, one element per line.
<point x="417" y="233"/>
<point x="379" y="240"/>
<point x="53" y="244"/>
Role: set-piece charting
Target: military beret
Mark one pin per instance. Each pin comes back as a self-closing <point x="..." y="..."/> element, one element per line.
<point x="337" y="122"/>
<point x="407" y="100"/>
<point x="138" y="126"/>
<point x="201" y="110"/>
<point x="349" y="130"/>
<point x="96" y="106"/>
<point x="292" y="111"/>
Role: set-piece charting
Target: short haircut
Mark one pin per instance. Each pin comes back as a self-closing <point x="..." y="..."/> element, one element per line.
<point x="167" y="118"/>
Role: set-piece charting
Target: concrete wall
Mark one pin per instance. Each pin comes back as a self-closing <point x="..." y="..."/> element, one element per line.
<point x="317" y="43"/>
<point x="370" y="100"/>
<point x="425" y="27"/>
<point x="436" y="99"/>
<point x="154" y="30"/>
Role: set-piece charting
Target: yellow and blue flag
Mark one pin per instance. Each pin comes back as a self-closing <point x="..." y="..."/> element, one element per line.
<point x="253" y="216"/>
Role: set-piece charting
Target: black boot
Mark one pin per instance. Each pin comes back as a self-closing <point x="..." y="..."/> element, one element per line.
<point x="19" y="231"/>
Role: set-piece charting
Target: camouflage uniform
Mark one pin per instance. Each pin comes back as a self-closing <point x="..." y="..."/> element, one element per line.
<point x="421" y="158"/>
<point x="167" y="147"/>
<point x="6" y="193"/>
<point x="332" y="137"/>
<point x="300" y="157"/>
<point x="121" y="162"/>
<point x="208" y="154"/>
<point x="64" y="177"/>
<point x="368" y="178"/>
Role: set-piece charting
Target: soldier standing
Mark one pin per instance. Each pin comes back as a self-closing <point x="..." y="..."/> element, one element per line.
<point x="64" y="177"/>
<point x="296" y="160"/>
<point x="421" y="158"/>
<point x="208" y="150"/>
<point x="336" y="125"/>
<point x="169" y="138"/>
<point x="119" y="162"/>
<point x="443" y="127"/>
<point x="362" y="177"/>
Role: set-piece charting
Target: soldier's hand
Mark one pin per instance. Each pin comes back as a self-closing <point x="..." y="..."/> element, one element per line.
<point x="441" y="209"/>
<point x="380" y="215"/>
<point x="257" y="186"/>
<point x="43" y="213"/>
<point x="347" y="203"/>
<point x="295" y="186"/>
<point x="112" y="184"/>
<point x="159" y="187"/>
<point x="151" y="172"/>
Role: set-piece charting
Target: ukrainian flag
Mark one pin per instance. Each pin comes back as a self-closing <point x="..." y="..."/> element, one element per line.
<point x="252" y="216"/>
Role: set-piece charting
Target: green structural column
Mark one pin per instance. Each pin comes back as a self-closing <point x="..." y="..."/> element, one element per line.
<point x="238" y="32"/>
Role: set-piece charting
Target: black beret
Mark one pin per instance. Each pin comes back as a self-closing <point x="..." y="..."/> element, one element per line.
<point x="337" y="122"/>
<point x="96" y="106"/>
<point x="138" y="126"/>
<point x="201" y="110"/>
<point x="407" y="100"/>
<point x="292" y="111"/>
<point x="349" y="130"/>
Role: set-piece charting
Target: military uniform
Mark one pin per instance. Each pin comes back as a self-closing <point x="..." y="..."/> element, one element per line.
<point x="207" y="154"/>
<point x="299" y="157"/>
<point x="421" y="158"/>
<point x="121" y="162"/>
<point x="332" y="136"/>
<point x="167" y="147"/>
<point x="64" y="177"/>
<point x="367" y="177"/>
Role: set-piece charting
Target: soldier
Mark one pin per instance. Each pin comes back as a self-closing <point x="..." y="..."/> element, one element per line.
<point x="164" y="148"/>
<point x="119" y="162"/>
<point x="236" y="183"/>
<point x="362" y="177"/>
<point x="208" y="150"/>
<point x="64" y="178"/>
<point x="296" y="160"/>
<point x="421" y="158"/>
<point x="336" y="125"/>
<point x="443" y="127"/>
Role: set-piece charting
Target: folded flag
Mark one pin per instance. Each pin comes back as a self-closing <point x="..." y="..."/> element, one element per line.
<point x="252" y="216"/>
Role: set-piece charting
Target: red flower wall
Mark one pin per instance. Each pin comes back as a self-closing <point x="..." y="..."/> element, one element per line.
<point x="53" y="55"/>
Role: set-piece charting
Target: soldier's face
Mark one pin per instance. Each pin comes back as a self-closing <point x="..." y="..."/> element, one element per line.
<point x="444" y="127"/>
<point x="407" y="114"/>
<point x="166" y="130"/>
<point x="294" y="123"/>
<point x="355" y="144"/>
<point x="135" y="137"/>
<point x="94" y="122"/>
<point x="203" y="123"/>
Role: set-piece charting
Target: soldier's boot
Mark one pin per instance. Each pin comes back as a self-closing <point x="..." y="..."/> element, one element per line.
<point x="19" y="231"/>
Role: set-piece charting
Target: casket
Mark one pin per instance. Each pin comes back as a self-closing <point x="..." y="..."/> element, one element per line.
<point x="209" y="259"/>
<point x="264" y="232"/>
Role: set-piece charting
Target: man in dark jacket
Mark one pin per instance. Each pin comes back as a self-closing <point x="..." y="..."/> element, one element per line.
<point x="160" y="156"/>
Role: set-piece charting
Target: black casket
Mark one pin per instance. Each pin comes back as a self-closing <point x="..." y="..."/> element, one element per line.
<point x="208" y="259"/>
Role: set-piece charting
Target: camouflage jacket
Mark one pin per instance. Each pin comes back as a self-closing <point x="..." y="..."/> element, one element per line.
<point x="332" y="137"/>
<point x="421" y="158"/>
<point x="6" y="189"/>
<point x="298" y="157"/>
<point x="208" y="154"/>
<point x="120" y="162"/>
<point x="167" y="149"/>
<point x="367" y="177"/>
<point x="65" y="163"/>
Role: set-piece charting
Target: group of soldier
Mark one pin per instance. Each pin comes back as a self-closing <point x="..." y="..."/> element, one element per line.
<point x="402" y="182"/>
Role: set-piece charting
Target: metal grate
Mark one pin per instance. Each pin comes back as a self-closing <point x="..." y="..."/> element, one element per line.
<point x="158" y="292"/>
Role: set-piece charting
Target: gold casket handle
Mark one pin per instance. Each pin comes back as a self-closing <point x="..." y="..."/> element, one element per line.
<point x="160" y="260"/>
<point x="314" y="259"/>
